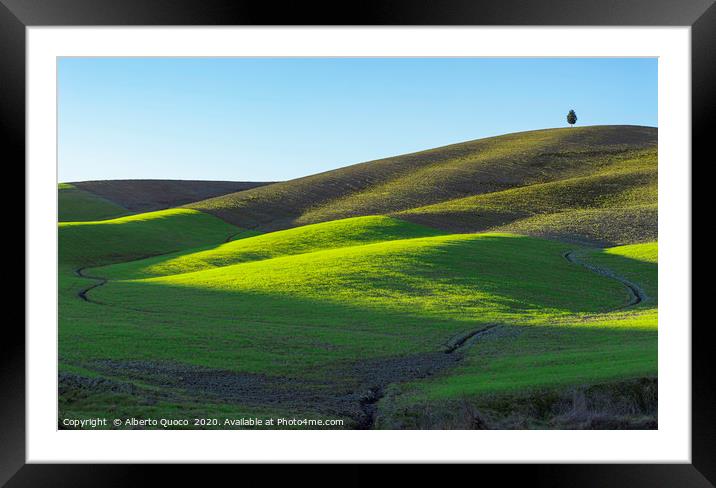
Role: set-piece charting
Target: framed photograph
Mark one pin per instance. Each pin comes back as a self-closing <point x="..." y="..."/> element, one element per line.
<point x="255" y="233"/>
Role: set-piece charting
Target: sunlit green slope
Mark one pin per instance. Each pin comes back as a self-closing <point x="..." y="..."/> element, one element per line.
<point x="309" y="238"/>
<point x="86" y="244"/>
<point x="361" y="301"/>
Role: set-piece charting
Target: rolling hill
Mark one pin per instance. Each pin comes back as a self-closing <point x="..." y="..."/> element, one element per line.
<point x="149" y="195"/>
<point x="74" y="205"/>
<point x="453" y="288"/>
<point x="137" y="236"/>
<point x="615" y="204"/>
<point x="476" y="185"/>
<point x="300" y="240"/>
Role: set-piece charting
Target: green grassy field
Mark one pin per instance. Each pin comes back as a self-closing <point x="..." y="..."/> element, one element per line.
<point x="310" y="238"/>
<point x="509" y="364"/>
<point x="382" y="321"/>
<point x="137" y="236"/>
<point x="78" y="205"/>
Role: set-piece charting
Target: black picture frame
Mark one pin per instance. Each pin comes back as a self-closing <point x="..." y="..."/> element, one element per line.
<point x="700" y="15"/>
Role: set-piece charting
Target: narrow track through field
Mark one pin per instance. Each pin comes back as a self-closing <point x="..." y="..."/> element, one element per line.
<point x="637" y="294"/>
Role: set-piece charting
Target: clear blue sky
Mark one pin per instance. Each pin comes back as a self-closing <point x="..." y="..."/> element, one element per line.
<point x="274" y="119"/>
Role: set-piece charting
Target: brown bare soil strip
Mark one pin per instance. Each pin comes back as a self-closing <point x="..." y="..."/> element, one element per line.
<point x="349" y="390"/>
<point x="368" y="403"/>
<point x="466" y="339"/>
<point x="149" y="195"/>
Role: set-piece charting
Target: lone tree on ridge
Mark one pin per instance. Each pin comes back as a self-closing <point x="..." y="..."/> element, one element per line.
<point x="571" y="118"/>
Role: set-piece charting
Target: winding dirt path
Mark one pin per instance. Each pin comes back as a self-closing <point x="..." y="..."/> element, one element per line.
<point x="637" y="294"/>
<point x="466" y="339"/>
<point x="451" y="354"/>
<point x="83" y="293"/>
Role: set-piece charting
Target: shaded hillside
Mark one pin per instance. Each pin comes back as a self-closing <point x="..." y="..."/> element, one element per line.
<point x="150" y="195"/>
<point x="616" y="204"/>
<point x="75" y="205"/>
<point x="138" y="236"/>
<point x="446" y="174"/>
